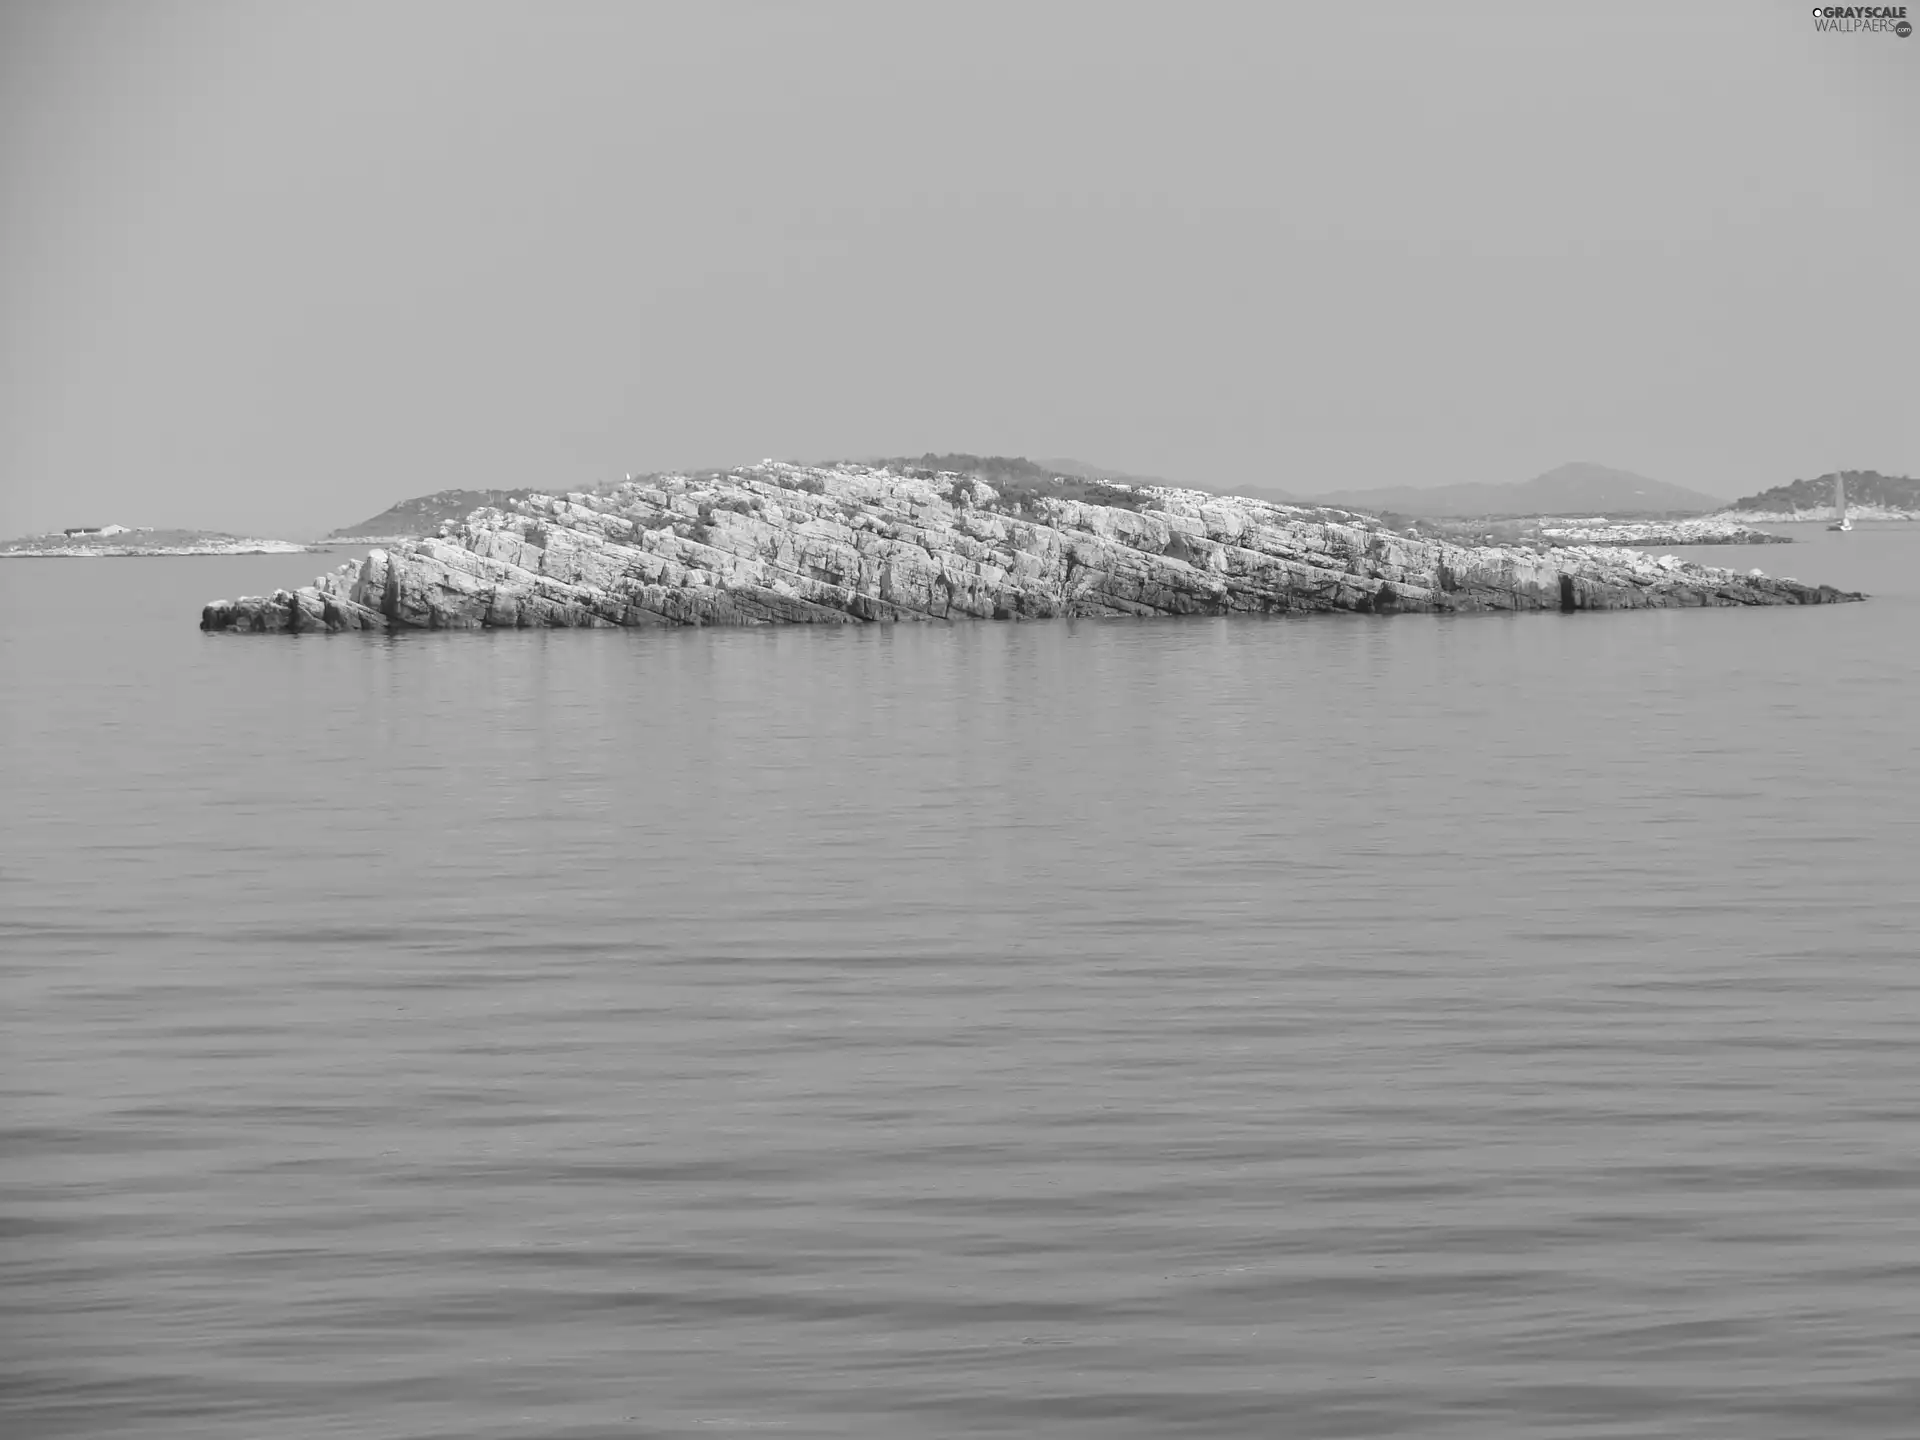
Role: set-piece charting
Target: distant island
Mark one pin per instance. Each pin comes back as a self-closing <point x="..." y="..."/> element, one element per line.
<point x="107" y="541"/>
<point x="1870" y="496"/>
<point x="778" y="543"/>
<point x="1578" y="488"/>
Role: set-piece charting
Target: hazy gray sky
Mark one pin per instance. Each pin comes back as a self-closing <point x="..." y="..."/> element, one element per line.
<point x="273" y="266"/>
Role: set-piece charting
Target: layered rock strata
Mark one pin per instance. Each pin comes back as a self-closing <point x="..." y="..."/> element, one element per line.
<point x="776" y="544"/>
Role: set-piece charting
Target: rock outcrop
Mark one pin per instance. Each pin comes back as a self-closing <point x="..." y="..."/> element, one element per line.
<point x="1712" y="530"/>
<point x="776" y="543"/>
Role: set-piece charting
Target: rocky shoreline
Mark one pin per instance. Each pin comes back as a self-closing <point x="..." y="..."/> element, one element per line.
<point x="26" y="551"/>
<point x="1817" y="514"/>
<point x="786" y="544"/>
<point x="1710" y="530"/>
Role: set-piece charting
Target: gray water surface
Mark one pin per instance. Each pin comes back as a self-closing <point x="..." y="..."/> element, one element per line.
<point x="1492" y="1026"/>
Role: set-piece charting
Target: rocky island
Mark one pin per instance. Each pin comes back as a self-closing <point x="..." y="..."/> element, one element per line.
<point x="90" y="542"/>
<point x="778" y="544"/>
<point x="1870" y="496"/>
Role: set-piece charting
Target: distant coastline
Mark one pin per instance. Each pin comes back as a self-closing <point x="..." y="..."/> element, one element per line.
<point x="120" y="542"/>
<point x="1815" y="515"/>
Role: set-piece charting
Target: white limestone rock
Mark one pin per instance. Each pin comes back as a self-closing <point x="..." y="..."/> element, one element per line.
<point x="1709" y="530"/>
<point x="786" y="544"/>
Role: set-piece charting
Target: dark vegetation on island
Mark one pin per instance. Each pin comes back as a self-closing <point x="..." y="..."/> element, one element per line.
<point x="425" y="514"/>
<point x="1864" y="487"/>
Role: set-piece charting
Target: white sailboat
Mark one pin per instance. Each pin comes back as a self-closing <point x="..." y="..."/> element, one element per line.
<point x="1841" y="522"/>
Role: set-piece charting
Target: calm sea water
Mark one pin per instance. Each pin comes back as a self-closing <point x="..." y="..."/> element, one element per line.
<point x="1480" y="1027"/>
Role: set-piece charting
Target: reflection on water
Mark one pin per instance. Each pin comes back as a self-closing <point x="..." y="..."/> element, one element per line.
<point x="1480" y="1027"/>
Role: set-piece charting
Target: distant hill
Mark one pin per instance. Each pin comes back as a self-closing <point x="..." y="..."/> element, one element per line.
<point x="1864" y="487"/>
<point x="1579" y="489"/>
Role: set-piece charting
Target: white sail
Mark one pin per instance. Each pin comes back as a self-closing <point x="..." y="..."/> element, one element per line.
<point x="1840" y="520"/>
